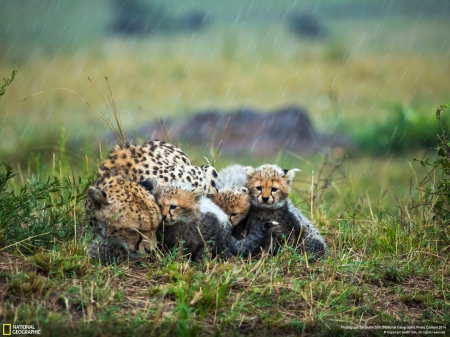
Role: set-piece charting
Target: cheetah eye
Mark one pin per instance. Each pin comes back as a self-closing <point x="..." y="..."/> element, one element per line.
<point x="258" y="188"/>
<point x="233" y="214"/>
<point x="172" y="207"/>
<point x="274" y="189"/>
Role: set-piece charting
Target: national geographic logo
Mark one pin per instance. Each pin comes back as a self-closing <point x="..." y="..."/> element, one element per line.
<point x="13" y="329"/>
<point x="6" y="330"/>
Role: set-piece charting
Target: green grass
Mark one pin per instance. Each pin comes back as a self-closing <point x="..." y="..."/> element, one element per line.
<point x="382" y="268"/>
<point x="388" y="261"/>
<point x="41" y="212"/>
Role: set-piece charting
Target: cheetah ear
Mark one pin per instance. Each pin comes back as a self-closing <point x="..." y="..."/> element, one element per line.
<point x="243" y="190"/>
<point x="150" y="184"/>
<point x="198" y="193"/>
<point x="289" y="174"/>
<point x="212" y="191"/>
<point x="249" y="171"/>
<point x="97" y="197"/>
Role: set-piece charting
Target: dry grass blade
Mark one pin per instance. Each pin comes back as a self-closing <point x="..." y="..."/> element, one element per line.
<point x="164" y="129"/>
<point x="223" y="135"/>
<point x="120" y="134"/>
<point x="215" y="154"/>
<point x="113" y="106"/>
<point x="21" y="241"/>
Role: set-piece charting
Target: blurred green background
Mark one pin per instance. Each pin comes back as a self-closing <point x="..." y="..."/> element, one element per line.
<point x="376" y="74"/>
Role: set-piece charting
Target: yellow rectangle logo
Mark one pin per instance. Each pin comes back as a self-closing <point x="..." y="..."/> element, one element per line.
<point x="6" y="330"/>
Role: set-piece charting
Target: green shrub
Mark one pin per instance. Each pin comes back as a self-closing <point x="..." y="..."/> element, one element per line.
<point x="407" y="130"/>
<point x="8" y="81"/>
<point x="436" y="184"/>
<point x="41" y="213"/>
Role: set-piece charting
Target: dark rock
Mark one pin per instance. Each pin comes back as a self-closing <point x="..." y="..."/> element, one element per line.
<point x="134" y="17"/>
<point x="249" y="132"/>
<point x="307" y="25"/>
<point x="195" y="20"/>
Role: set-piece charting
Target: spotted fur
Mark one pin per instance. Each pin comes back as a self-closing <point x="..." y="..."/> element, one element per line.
<point x="161" y="160"/>
<point x="123" y="213"/>
<point x="269" y="187"/>
<point x="232" y="195"/>
<point x="123" y="217"/>
<point x="232" y="175"/>
<point x="234" y="201"/>
<point x="193" y="222"/>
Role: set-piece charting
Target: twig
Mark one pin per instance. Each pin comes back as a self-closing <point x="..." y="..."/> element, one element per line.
<point x="31" y="237"/>
<point x="315" y="194"/>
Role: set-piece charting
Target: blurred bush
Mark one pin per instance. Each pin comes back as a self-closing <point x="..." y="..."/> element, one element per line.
<point x="406" y="130"/>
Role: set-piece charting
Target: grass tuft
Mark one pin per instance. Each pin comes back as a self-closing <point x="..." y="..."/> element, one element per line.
<point x="42" y="213"/>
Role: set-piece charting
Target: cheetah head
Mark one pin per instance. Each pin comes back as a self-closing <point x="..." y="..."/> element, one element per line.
<point x="179" y="202"/>
<point x="124" y="214"/>
<point x="234" y="201"/>
<point x="269" y="185"/>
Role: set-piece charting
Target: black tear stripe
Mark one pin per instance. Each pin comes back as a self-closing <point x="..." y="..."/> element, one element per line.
<point x="139" y="242"/>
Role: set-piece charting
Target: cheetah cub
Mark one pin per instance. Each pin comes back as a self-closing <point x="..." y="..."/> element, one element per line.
<point x="232" y="194"/>
<point x="269" y="187"/>
<point x="193" y="221"/>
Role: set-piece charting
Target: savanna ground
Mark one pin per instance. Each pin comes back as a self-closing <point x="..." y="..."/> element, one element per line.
<point x="377" y="78"/>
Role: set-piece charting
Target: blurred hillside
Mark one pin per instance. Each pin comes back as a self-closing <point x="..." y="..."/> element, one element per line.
<point x="373" y="55"/>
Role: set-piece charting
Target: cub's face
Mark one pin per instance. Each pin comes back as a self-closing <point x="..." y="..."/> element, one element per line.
<point x="234" y="201"/>
<point x="179" y="203"/>
<point x="269" y="185"/>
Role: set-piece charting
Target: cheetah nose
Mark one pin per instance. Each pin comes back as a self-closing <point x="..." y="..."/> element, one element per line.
<point x="265" y="199"/>
<point x="164" y="217"/>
